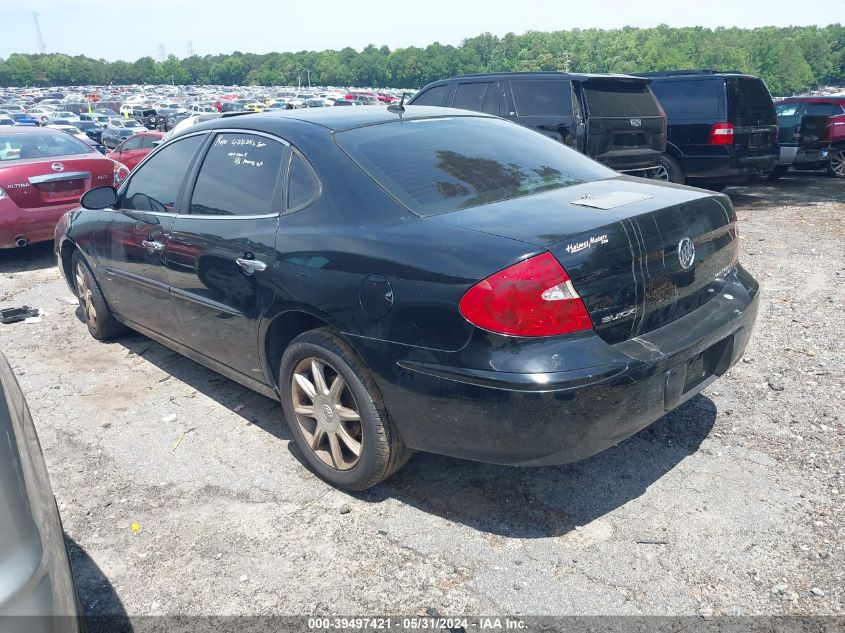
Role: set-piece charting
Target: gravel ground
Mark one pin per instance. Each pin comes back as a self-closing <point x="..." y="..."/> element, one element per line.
<point x="732" y="504"/>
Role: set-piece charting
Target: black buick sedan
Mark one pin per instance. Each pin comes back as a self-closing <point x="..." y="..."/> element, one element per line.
<point x="417" y="279"/>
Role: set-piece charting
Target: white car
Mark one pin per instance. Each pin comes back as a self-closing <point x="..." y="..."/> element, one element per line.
<point x="73" y="131"/>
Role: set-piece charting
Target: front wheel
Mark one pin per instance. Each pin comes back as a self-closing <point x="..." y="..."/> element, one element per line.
<point x="836" y="164"/>
<point x="335" y="413"/>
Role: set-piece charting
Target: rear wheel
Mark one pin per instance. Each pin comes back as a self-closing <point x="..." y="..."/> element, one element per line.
<point x="669" y="170"/>
<point x="100" y="321"/>
<point x="836" y="164"/>
<point x="335" y="413"/>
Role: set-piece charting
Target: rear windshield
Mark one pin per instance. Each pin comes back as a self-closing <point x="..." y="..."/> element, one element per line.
<point x="822" y="109"/>
<point x="439" y="165"/>
<point x="620" y="99"/>
<point x="691" y="99"/>
<point x="23" y="146"/>
<point x="749" y="102"/>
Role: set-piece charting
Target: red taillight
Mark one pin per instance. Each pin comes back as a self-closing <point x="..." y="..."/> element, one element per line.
<point x="532" y="298"/>
<point x="722" y="134"/>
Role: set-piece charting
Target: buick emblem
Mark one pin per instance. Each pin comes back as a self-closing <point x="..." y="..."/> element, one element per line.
<point x="57" y="167"/>
<point x="328" y="413"/>
<point x="636" y="122"/>
<point x="686" y="253"/>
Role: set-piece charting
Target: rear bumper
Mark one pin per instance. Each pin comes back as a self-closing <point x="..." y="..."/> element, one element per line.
<point x="812" y="155"/>
<point x="601" y="394"/>
<point x="33" y="225"/>
<point x="630" y="160"/>
<point x="728" y="168"/>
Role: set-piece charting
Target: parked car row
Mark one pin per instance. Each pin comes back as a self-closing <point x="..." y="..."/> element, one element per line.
<point x="701" y="127"/>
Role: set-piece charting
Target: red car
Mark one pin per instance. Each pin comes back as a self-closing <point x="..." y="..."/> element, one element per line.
<point x="812" y="134"/>
<point x="132" y="150"/>
<point x="43" y="173"/>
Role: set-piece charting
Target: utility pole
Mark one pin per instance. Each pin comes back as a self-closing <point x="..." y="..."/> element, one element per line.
<point x="41" y="46"/>
<point x="161" y="53"/>
<point x="190" y="48"/>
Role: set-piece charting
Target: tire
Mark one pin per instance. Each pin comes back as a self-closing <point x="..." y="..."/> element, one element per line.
<point x="100" y="321"/>
<point x="836" y="164"/>
<point x="671" y="168"/>
<point x="777" y="173"/>
<point x="327" y="419"/>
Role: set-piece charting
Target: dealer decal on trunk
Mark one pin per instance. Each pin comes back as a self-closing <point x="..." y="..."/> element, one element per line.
<point x="580" y="246"/>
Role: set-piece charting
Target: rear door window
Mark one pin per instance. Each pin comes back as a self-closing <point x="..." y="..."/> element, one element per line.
<point x="749" y="102"/>
<point x="303" y="185"/>
<point x="619" y="99"/>
<point x="536" y="97"/>
<point x="434" y="96"/>
<point x="239" y="176"/>
<point x="696" y="99"/>
<point x="470" y="96"/>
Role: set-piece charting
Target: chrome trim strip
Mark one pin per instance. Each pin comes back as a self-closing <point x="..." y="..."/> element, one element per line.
<point x="206" y="303"/>
<point x="144" y="281"/>
<point x="70" y="175"/>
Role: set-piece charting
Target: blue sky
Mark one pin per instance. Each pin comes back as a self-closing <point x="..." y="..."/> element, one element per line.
<point x="128" y="30"/>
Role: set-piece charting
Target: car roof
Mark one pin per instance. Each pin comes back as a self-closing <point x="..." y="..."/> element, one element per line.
<point x="831" y="100"/>
<point x="31" y="129"/>
<point x="694" y="74"/>
<point x="334" y="120"/>
<point x="553" y="74"/>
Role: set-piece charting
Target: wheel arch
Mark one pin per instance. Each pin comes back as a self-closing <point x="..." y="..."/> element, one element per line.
<point x="66" y="250"/>
<point x="281" y="329"/>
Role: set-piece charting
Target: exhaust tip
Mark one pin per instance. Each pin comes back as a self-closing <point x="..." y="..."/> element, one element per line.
<point x="21" y="241"/>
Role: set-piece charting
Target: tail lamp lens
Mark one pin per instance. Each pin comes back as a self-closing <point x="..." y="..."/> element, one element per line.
<point x="534" y="297"/>
<point x="722" y="134"/>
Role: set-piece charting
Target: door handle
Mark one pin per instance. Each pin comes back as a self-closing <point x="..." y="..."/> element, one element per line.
<point x="152" y="246"/>
<point x="249" y="266"/>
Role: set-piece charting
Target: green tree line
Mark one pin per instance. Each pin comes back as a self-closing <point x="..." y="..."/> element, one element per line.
<point x="789" y="59"/>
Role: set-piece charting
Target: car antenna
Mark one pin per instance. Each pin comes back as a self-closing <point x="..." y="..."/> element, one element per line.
<point x="399" y="109"/>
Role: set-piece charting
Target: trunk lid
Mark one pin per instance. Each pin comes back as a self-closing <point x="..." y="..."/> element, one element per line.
<point x="752" y="113"/>
<point x="626" y="129"/>
<point x="814" y="129"/>
<point x="624" y="261"/>
<point x="58" y="180"/>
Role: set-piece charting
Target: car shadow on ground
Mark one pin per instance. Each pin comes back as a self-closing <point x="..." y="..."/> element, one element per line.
<point x="27" y="258"/>
<point x="503" y="500"/>
<point x="797" y="188"/>
<point x="257" y="409"/>
<point x="101" y="606"/>
<point x="549" y="501"/>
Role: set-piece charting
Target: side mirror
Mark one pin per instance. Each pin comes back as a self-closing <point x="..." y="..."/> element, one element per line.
<point x="99" y="198"/>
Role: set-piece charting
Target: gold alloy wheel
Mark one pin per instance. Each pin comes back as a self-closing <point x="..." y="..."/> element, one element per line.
<point x="327" y="414"/>
<point x="83" y="291"/>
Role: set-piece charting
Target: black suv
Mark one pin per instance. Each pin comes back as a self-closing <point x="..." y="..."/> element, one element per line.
<point x="614" y="119"/>
<point x="148" y="117"/>
<point x="722" y="126"/>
